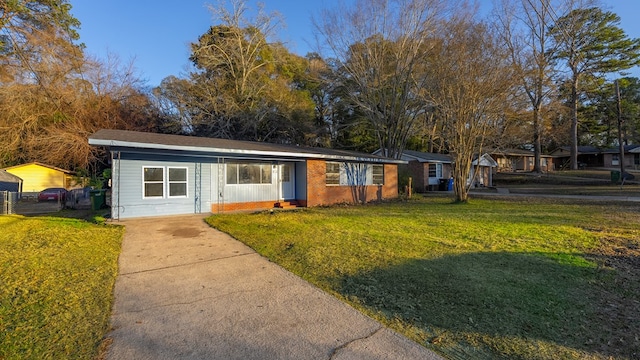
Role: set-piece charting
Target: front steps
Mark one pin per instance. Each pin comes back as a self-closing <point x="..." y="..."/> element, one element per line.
<point x="286" y="204"/>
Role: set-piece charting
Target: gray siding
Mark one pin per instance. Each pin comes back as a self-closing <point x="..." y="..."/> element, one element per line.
<point x="301" y="180"/>
<point x="128" y="189"/>
<point x="235" y="193"/>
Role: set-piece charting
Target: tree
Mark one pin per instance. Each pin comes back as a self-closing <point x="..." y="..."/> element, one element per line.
<point x="599" y="114"/>
<point x="523" y="25"/>
<point x="380" y="47"/>
<point x="243" y="86"/>
<point x="470" y="79"/>
<point x="591" y="43"/>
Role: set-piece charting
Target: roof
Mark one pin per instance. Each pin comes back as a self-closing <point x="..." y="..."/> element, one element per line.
<point x="485" y="160"/>
<point x="39" y="164"/>
<point x="9" y="177"/>
<point x="163" y="142"/>
<point x="427" y="157"/>
<point x="515" y="152"/>
<point x="582" y="150"/>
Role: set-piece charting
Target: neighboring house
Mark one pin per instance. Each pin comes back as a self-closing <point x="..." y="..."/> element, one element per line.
<point x="157" y="174"/>
<point x="635" y="155"/>
<point x="514" y="160"/>
<point x="591" y="156"/>
<point x="37" y="176"/>
<point x="482" y="170"/>
<point x="431" y="171"/>
<point x="9" y="182"/>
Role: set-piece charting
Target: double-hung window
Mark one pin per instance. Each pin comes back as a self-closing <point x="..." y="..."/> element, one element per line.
<point x="177" y="182"/>
<point x="377" y="174"/>
<point x="153" y="179"/>
<point x="333" y="173"/>
<point x="160" y="182"/>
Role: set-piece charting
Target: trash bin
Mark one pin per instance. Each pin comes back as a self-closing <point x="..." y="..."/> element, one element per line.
<point x="450" y="185"/>
<point x="97" y="199"/>
<point x="615" y="176"/>
<point x="442" y="185"/>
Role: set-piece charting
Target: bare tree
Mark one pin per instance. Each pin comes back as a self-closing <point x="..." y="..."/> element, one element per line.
<point x="381" y="46"/>
<point x="469" y="82"/>
<point x="524" y="28"/>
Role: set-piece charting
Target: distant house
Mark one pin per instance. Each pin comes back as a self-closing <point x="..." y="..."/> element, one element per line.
<point x="432" y="172"/>
<point x="591" y="156"/>
<point x="515" y="160"/>
<point x="482" y="170"/>
<point x="157" y="174"/>
<point x="9" y="182"/>
<point x="37" y="176"/>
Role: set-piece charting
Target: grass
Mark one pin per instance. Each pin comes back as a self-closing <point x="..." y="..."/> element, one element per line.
<point x="485" y="280"/>
<point x="56" y="290"/>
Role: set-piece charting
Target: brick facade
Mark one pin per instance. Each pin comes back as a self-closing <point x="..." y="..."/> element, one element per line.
<point x="242" y="206"/>
<point x="319" y="193"/>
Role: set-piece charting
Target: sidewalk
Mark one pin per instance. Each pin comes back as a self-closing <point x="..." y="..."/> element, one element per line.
<point x="187" y="291"/>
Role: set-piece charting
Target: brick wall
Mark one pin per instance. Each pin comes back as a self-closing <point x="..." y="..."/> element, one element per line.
<point x="318" y="193"/>
<point x="243" y="206"/>
<point x="420" y="179"/>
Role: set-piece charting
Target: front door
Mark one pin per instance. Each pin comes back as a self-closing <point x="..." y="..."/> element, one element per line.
<point x="287" y="188"/>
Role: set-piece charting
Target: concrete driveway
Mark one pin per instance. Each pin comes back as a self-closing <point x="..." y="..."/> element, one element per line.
<point x="187" y="291"/>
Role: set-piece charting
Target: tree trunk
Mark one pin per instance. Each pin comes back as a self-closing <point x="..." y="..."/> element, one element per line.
<point x="537" y="143"/>
<point x="574" y="123"/>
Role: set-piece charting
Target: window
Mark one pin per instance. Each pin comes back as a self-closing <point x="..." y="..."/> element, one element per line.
<point x="157" y="182"/>
<point x="153" y="180"/>
<point x="333" y="173"/>
<point x="177" y="182"/>
<point x="286" y="173"/>
<point x="615" y="159"/>
<point x="432" y="170"/>
<point x="378" y="174"/>
<point x="241" y="173"/>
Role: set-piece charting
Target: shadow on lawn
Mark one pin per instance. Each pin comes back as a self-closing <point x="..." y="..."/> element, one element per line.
<point x="482" y="297"/>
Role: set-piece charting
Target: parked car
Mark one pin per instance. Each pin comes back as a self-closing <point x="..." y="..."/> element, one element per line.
<point x="52" y="194"/>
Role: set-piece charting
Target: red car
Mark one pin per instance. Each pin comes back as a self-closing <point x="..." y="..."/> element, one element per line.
<point x="52" y="194"/>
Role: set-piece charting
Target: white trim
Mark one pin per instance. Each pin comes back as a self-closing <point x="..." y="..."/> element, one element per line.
<point x="186" y="183"/>
<point x="153" y="182"/>
<point x="115" y="143"/>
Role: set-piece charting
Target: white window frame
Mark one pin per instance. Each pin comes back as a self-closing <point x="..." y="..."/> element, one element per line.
<point x="185" y="182"/>
<point x="373" y="175"/>
<point x="615" y="159"/>
<point x="144" y="182"/>
<point x="326" y="178"/>
<point x="262" y="167"/>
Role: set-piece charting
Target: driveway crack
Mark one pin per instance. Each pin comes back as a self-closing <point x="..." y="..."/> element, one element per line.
<point x="186" y="264"/>
<point x="335" y="351"/>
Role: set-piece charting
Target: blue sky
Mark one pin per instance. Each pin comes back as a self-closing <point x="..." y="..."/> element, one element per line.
<point x="156" y="33"/>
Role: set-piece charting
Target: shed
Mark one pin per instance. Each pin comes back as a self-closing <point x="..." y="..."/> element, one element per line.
<point x="159" y="174"/>
<point x="9" y="182"/>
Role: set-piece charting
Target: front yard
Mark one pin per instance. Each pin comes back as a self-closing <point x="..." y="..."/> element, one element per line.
<point x="56" y="287"/>
<point x="491" y="279"/>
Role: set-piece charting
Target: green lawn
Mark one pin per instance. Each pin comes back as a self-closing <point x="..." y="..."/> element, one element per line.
<point x="484" y="280"/>
<point x="56" y="286"/>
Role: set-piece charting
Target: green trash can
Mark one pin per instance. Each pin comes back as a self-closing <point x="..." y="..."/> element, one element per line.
<point x="97" y="199"/>
<point x="615" y="176"/>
